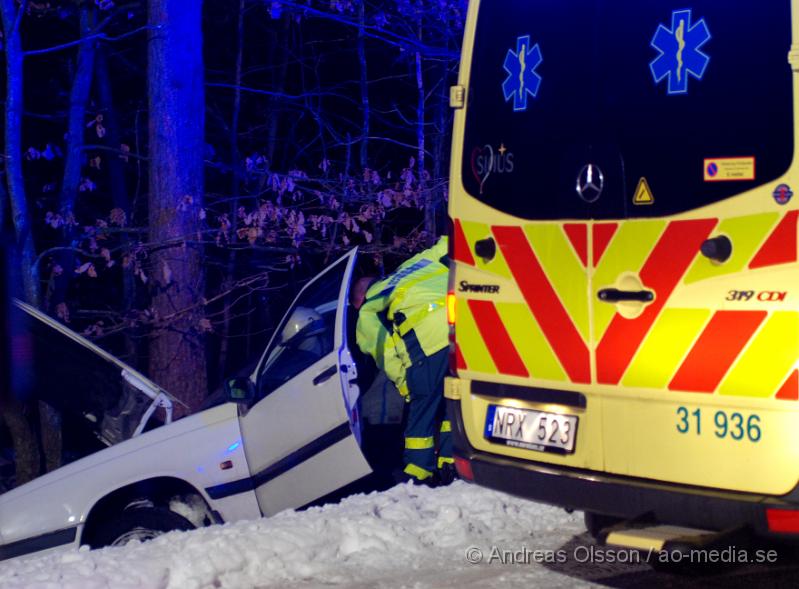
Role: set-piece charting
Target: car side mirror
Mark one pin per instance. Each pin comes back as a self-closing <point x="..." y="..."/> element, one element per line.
<point x="239" y="389"/>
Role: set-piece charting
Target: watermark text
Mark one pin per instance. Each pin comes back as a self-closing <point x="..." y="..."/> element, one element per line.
<point x="497" y="555"/>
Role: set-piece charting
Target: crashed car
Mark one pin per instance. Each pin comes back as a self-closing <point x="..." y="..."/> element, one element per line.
<point x="284" y="437"/>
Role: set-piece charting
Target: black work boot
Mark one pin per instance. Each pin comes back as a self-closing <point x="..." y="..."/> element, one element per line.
<point x="446" y="474"/>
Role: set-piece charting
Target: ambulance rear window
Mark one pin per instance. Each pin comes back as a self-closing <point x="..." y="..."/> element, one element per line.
<point x="696" y="100"/>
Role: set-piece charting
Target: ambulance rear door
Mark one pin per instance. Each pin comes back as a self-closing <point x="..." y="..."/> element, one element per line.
<point x="535" y="170"/>
<point x="694" y="290"/>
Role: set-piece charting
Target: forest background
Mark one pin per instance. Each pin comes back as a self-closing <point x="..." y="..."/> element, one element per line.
<point x="174" y="171"/>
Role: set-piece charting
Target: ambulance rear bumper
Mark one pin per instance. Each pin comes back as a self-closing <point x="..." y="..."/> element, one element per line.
<point x="620" y="496"/>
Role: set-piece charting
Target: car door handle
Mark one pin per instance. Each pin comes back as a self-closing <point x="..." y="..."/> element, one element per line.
<point x="325" y="375"/>
<point x="614" y="295"/>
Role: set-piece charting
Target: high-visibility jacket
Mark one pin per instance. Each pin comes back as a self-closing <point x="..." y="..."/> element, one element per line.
<point x="412" y="298"/>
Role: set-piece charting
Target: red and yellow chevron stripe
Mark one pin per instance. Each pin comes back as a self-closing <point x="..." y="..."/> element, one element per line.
<point x="558" y="267"/>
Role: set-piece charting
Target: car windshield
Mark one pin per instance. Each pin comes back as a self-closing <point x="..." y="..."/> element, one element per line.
<point x="638" y="89"/>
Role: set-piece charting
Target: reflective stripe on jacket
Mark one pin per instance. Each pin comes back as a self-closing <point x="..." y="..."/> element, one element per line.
<point x="412" y="298"/>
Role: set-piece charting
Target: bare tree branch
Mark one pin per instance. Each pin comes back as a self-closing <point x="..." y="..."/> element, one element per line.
<point x="96" y="36"/>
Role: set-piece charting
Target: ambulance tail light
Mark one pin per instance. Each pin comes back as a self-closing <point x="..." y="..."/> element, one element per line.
<point x="464" y="468"/>
<point x="453" y="358"/>
<point x="785" y="521"/>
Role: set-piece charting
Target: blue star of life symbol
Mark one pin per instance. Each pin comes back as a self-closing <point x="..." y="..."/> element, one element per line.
<point x="522" y="78"/>
<point x="680" y="51"/>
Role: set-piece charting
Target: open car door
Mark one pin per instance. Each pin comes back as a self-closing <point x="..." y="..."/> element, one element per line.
<point x="301" y="436"/>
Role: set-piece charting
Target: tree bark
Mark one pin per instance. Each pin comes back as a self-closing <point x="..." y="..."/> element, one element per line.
<point x="441" y="147"/>
<point x="26" y="444"/>
<point x="49" y="417"/>
<point x="367" y="115"/>
<point x="235" y="187"/>
<point x="280" y="55"/>
<point x="429" y="215"/>
<point x="73" y="160"/>
<point x="13" y="150"/>
<point x="119" y="191"/>
<point x="3" y="206"/>
<point x="113" y="138"/>
<point x="176" y="139"/>
<point x="76" y="127"/>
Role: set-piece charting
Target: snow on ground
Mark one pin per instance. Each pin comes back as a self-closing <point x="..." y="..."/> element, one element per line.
<point x="408" y="536"/>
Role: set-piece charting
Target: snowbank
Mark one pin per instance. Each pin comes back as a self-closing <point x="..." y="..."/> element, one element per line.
<point x="405" y="537"/>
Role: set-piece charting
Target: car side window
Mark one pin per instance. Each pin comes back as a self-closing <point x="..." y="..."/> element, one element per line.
<point x="306" y="334"/>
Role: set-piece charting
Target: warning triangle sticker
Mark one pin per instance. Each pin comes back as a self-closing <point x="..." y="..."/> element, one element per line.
<point x="643" y="194"/>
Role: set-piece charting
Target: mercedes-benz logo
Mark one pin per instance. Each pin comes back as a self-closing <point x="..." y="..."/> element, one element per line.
<point x="590" y="183"/>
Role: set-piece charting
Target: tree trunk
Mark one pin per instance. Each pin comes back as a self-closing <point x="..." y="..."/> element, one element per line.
<point x="280" y="55"/>
<point x="73" y="161"/>
<point x="26" y="445"/>
<point x="364" y="85"/>
<point x="113" y="138"/>
<point x="12" y="411"/>
<point x="49" y="417"/>
<point x="13" y="150"/>
<point x="177" y="146"/>
<point x="79" y="94"/>
<point x="119" y="191"/>
<point x="429" y="215"/>
<point x="235" y="187"/>
<point x="441" y="147"/>
<point x="4" y="245"/>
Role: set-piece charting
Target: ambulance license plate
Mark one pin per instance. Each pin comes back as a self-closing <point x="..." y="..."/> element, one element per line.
<point x="532" y="430"/>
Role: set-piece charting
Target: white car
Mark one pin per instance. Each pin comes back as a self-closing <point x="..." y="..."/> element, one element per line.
<point x="287" y="436"/>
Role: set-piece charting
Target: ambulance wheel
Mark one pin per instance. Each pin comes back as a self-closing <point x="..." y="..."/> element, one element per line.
<point x="596" y="522"/>
<point x="140" y="524"/>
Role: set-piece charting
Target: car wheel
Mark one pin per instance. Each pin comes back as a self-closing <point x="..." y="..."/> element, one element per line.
<point x="596" y="522"/>
<point x="140" y="524"/>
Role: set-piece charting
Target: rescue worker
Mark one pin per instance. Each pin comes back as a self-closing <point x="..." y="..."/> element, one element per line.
<point x="402" y="324"/>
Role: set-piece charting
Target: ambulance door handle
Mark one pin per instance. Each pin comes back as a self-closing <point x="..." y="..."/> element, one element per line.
<point x="486" y="248"/>
<point x="614" y="295"/>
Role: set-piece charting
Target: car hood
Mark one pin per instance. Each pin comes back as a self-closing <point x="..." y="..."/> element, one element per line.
<point x="65" y="360"/>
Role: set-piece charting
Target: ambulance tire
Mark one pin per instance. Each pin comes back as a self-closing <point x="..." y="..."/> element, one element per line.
<point x="140" y="524"/>
<point x="596" y="522"/>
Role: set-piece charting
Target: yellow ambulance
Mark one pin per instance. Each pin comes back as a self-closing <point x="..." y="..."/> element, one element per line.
<point x="624" y="294"/>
